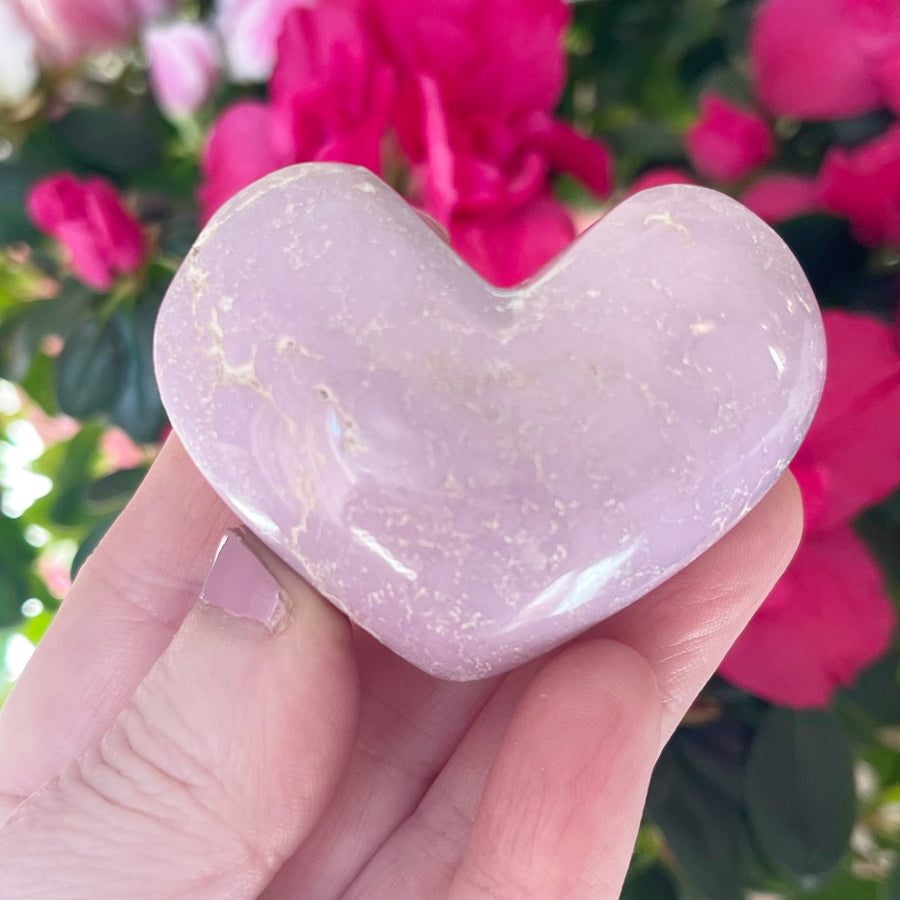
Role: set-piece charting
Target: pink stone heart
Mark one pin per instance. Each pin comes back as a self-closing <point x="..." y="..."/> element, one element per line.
<point x="475" y="475"/>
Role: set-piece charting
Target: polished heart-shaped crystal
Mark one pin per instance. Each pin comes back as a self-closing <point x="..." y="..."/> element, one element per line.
<point x="475" y="475"/>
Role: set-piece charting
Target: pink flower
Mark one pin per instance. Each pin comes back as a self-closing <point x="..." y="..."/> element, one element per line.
<point x="54" y="570"/>
<point x="119" y="451"/>
<point x="239" y="151"/>
<point x="853" y="446"/>
<point x="488" y="56"/>
<point x="481" y="139"/>
<point x="184" y="66"/>
<point x="250" y="30"/>
<point x="829" y="616"/>
<point x="777" y="197"/>
<point x="658" y="177"/>
<point x="826" y="619"/>
<point x="68" y="29"/>
<point x="101" y="237"/>
<point x="479" y="135"/>
<point x="330" y="100"/>
<point x="727" y="142"/>
<point x="863" y="184"/>
<point x="331" y="93"/>
<point x="826" y="59"/>
<point x="18" y="56"/>
<point x="509" y="248"/>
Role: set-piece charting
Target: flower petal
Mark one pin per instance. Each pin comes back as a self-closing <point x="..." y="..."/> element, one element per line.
<point x="238" y="152"/>
<point x="854" y="441"/>
<point x="824" y="622"/>
<point x="514" y="247"/>
<point x="807" y="62"/>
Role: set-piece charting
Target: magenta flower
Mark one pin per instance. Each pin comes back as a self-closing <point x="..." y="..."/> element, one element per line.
<point x="829" y="616"/>
<point x="435" y="93"/>
<point x="330" y="100"/>
<point x="102" y="239"/>
<point x="727" y="142"/>
<point x="776" y="197"/>
<point x="826" y="59"/>
<point x="863" y="184"/>
<point x="480" y="138"/>
<point x="249" y="30"/>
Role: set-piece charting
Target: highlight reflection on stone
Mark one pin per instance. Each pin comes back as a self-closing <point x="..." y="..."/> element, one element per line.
<point x="473" y="474"/>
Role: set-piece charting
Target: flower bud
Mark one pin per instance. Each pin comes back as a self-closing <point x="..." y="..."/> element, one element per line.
<point x="184" y="66"/>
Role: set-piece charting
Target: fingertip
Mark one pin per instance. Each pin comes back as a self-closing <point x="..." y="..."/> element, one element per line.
<point x="602" y="679"/>
<point x="785" y="507"/>
<point x="582" y="743"/>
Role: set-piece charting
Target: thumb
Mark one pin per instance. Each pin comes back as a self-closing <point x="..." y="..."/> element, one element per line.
<point x="221" y="762"/>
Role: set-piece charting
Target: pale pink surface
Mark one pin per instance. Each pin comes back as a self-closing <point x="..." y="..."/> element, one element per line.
<point x="476" y="474"/>
<point x="241" y="585"/>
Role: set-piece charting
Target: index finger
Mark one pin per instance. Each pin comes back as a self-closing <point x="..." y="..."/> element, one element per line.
<point x="123" y="609"/>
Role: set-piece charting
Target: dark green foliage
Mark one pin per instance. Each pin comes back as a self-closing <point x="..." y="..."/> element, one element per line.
<point x="800" y="792"/>
<point x="112" y="140"/>
<point x="137" y="407"/>
<point x="91" y="368"/>
<point x="17" y="581"/>
<point x="653" y="882"/>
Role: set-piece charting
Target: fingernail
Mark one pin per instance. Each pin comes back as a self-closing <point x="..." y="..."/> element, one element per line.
<point x="241" y="585"/>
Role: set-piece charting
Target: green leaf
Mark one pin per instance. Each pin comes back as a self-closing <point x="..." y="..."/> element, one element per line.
<point x="90" y="368"/>
<point x="15" y="179"/>
<point x="831" y="257"/>
<point x="650" y="883"/>
<point x="89" y="544"/>
<point x="890" y="889"/>
<point x="876" y="691"/>
<point x="114" y="140"/>
<point x="800" y="792"/>
<point x="861" y="129"/>
<point x="844" y="886"/>
<point x="138" y="408"/>
<point x="38" y="155"/>
<point x="113" y="491"/>
<point x="715" y="754"/>
<point x="40" y="383"/>
<point x="64" y="505"/>
<point x="16" y="559"/>
<point x="26" y="325"/>
<point x="178" y="234"/>
<point x="702" y="828"/>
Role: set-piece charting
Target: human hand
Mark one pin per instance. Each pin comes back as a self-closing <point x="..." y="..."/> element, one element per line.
<point x="158" y="748"/>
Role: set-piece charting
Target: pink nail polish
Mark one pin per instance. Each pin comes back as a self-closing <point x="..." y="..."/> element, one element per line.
<point x="240" y="584"/>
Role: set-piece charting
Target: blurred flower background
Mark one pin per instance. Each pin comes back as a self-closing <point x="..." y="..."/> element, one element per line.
<point x="124" y="124"/>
